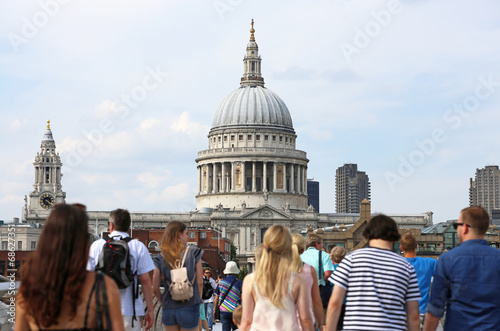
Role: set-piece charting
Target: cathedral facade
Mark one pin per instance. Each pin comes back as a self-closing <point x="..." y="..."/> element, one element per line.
<point x="250" y="177"/>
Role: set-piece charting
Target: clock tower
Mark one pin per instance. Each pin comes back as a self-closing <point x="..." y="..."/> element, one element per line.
<point x="47" y="190"/>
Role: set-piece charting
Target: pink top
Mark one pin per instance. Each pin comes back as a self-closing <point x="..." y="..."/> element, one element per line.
<point x="268" y="317"/>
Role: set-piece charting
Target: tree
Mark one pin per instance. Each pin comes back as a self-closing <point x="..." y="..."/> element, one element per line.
<point x="243" y="273"/>
<point x="234" y="250"/>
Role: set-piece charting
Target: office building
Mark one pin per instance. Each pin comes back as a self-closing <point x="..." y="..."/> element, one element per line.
<point x="313" y="194"/>
<point x="483" y="189"/>
<point x="351" y="187"/>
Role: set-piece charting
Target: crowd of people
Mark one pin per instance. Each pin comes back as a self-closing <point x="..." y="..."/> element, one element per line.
<point x="68" y="284"/>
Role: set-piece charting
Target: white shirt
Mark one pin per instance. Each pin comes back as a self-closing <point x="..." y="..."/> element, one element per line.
<point x="140" y="261"/>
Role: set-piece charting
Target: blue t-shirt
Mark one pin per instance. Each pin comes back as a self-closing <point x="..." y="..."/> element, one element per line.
<point x="311" y="257"/>
<point x="424" y="268"/>
<point x="193" y="256"/>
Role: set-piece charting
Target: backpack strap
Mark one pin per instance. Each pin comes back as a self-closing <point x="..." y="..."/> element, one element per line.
<point x="184" y="257"/>
<point x="320" y="261"/>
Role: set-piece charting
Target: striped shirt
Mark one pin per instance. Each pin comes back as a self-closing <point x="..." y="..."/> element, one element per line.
<point x="233" y="299"/>
<point x="378" y="284"/>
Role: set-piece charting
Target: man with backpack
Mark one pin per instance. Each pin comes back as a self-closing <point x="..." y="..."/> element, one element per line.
<point x="127" y="261"/>
<point x="208" y="296"/>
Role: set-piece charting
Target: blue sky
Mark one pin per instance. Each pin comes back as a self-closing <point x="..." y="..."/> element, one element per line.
<point x="408" y="90"/>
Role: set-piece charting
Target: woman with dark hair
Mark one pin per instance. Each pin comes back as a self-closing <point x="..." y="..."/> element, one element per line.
<point x="178" y="315"/>
<point x="381" y="286"/>
<point x="56" y="290"/>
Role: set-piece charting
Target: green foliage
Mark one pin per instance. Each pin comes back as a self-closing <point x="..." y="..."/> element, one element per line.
<point x="233" y="253"/>
<point x="243" y="273"/>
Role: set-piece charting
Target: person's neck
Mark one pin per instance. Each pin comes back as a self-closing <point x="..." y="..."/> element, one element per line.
<point x="410" y="254"/>
<point x="381" y="243"/>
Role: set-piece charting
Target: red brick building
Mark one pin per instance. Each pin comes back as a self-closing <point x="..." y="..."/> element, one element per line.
<point x="217" y="250"/>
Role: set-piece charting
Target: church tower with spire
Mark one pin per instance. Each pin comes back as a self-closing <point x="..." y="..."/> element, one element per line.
<point x="47" y="189"/>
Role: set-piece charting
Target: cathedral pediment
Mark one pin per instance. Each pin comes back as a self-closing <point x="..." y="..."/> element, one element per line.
<point x="265" y="212"/>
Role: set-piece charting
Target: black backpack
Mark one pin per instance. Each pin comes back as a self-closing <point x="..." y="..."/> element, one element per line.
<point x="208" y="290"/>
<point x="114" y="261"/>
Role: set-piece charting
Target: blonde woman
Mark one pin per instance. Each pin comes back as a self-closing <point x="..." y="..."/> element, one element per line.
<point x="274" y="293"/>
<point x="337" y="255"/>
<point x="178" y="315"/>
<point x="310" y="277"/>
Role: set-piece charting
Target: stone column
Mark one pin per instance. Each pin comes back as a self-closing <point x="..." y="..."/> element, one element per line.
<point x="305" y="180"/>
<point x="275" y="177"/>
<point x="232" y="177"/>
<point x="292" y="178"/>
<point x="254" y="188"/>
<point x="264" y="174"/>
<point x="199" y="179"/>
<point x="223" y="177"/>
<point x="243" y="177"/>
<point x="285" y="166"/>
<point x="299" y="179"/>
<point x="214" y="178"/>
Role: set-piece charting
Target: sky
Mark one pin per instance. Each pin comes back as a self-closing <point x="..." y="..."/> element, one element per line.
<point x="408" y="90"/>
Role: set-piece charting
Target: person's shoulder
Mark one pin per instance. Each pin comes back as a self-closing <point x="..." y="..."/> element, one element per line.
<point x="99" y="242"/>
<point x="195" y="251"/>
<point x="430" y="260"/>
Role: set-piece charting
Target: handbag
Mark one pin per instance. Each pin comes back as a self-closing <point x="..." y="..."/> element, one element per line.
<point x="101" y="307"/>
<point x="325" y="291"/>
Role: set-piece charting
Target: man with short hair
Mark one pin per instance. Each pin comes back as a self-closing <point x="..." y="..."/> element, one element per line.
<point x="424" y="268"/>
<point x="209" y="303"/>
<point x="311" y="256"/>
<point x="141" y="264"/>
<point x="314" y="244"/>
<point x="467" y="279"/>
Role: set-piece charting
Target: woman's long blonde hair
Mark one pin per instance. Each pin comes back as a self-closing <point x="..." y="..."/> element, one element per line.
<point x="171" y="245"/>
<point x="274" y="258"/>
<point x="298" y="245"/>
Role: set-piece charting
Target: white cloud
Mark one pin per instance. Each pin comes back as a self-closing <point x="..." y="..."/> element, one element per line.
<point x="170" y="194"/>
<point x="153" y="180"/>
<point x="368" y="111"/>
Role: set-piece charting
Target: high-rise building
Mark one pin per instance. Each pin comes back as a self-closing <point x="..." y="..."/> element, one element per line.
<point x="351" y="187"/>
<point x="313" y="194"/>
<point x="483" y="189"/>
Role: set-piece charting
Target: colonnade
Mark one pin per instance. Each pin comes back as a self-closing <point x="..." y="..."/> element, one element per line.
<point x="252" y="176"/>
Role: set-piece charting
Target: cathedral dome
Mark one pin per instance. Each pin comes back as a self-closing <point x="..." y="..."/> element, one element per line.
<point x="252" y="106"/>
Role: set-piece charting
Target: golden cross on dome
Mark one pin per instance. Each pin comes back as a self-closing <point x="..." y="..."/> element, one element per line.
<point x="48" y="124"/>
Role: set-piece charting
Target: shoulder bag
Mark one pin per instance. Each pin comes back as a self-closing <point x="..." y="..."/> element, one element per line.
<point x="325" y="291"/>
